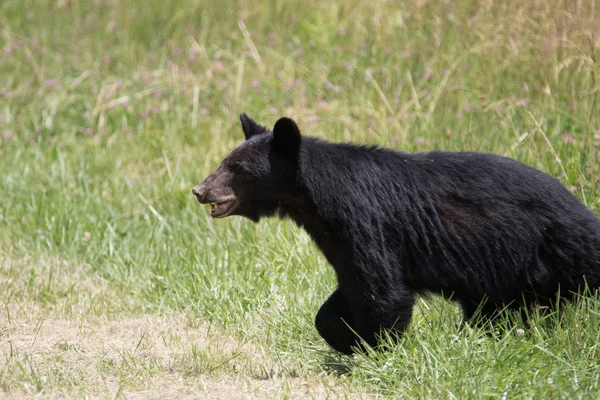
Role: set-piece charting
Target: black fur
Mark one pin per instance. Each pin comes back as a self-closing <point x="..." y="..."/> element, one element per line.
<point x="471" y="226"/>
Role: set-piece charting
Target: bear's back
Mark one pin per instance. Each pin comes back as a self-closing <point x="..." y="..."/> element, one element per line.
<point x="464" y="216"/>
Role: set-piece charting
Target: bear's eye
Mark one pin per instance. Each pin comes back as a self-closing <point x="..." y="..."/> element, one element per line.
<point x="236" y="167"/>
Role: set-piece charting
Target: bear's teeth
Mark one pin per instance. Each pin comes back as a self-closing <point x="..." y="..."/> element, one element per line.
<point x="213" y="206"/>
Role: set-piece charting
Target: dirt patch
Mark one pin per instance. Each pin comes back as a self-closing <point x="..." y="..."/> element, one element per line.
<point x="67" y="333"/>
<point x="139" y="357"/>
<point x="59" y="337"/>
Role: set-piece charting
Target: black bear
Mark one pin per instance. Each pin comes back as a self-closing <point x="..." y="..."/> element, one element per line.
<point x="483" y="230"/>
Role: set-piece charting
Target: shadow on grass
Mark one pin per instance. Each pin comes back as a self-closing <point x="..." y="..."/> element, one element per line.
<point x="337" y="364"/>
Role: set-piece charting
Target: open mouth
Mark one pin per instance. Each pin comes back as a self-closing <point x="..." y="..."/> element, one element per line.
<point x="222" y="209"/>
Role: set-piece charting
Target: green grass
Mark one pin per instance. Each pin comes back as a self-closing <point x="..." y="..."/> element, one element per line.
<point x="110" y="112"/>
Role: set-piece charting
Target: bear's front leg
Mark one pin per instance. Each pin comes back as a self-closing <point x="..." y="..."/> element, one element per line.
<point x="343" y="327"/>
<point x="333" y="321"/>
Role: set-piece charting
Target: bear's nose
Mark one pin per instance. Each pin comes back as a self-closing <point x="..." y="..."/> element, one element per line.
<point x="199" y="192"/>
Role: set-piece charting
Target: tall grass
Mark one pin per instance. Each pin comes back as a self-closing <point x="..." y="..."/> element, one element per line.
<point x="110" y="111"/>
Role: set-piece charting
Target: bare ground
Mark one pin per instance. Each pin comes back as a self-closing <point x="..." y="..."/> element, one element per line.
<point x="60" y="349"/>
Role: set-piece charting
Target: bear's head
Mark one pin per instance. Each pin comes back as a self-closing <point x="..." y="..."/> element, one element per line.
<point x="258" y="175"/>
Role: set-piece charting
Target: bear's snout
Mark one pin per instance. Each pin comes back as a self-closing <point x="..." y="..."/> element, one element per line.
<point x="199" y="191"/>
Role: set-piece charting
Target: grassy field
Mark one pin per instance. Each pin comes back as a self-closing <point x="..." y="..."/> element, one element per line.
<point x="115" y="282"/>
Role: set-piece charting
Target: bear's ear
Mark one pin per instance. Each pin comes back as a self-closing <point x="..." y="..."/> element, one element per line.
<point x="286" y="136"/>
<point x="250" y="127"/>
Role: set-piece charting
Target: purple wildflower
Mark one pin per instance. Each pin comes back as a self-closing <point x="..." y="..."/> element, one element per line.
<point x="312" y="119"/>
<point x="427" y="74"/>
<point x="568" y="138"/>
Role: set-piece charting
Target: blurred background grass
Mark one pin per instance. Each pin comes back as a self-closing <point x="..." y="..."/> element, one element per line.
<point x="110" y="111"/>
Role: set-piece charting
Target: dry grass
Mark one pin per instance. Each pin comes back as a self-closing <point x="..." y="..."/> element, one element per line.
<point x="120" y="354"/>
<point x="137" y="357"/>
